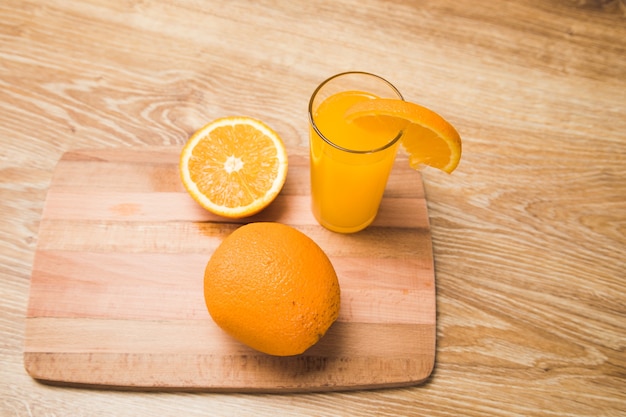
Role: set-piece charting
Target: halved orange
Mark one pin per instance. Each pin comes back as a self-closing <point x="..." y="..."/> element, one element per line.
<point x="234" y="166"/>
<point x="427" y="137"/>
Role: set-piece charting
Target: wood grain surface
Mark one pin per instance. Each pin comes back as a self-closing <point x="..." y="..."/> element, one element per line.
<point x="116" y="296"/>
<point x="529" y="234"/>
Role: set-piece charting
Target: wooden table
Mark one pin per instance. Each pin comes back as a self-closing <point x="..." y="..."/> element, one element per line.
<point x="529" y="233"/>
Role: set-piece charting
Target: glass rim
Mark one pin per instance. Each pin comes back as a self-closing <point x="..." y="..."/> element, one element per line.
<point x="330" y="142"/>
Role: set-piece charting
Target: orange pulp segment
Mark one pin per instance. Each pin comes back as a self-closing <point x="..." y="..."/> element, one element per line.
<point x="427" y="137"/>
<point x="234" y="166"/>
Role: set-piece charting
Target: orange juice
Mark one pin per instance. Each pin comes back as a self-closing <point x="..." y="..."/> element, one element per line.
<point x="350" y="162"/>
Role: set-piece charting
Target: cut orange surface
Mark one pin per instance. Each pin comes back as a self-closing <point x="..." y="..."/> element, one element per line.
<point x="428" y="138"/>
<point x="234" y="166"/>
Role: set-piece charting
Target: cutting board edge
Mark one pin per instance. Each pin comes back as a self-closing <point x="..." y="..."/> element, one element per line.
<point x="32" y="358"/>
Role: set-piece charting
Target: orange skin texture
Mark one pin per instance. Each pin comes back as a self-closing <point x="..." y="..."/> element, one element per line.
<point x="272" y="288"/>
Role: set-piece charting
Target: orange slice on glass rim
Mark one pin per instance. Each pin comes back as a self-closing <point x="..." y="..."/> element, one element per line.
<point x="234" y="166"/>
<point x="427" y="137"/>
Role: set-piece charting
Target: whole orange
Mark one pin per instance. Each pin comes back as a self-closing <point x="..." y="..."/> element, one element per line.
<point x="272" y="288"/>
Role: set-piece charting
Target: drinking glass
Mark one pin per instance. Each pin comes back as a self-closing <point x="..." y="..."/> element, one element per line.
<point x="350" y="162"/>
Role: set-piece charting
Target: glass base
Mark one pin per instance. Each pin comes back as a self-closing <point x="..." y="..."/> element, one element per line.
<point x="345" y="229"/>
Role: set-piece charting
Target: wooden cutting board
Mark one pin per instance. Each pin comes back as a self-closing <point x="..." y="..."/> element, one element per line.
<point x="116" y="294"/>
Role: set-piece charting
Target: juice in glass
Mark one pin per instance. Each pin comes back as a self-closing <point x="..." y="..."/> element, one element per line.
<point x="350" y="161"/>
